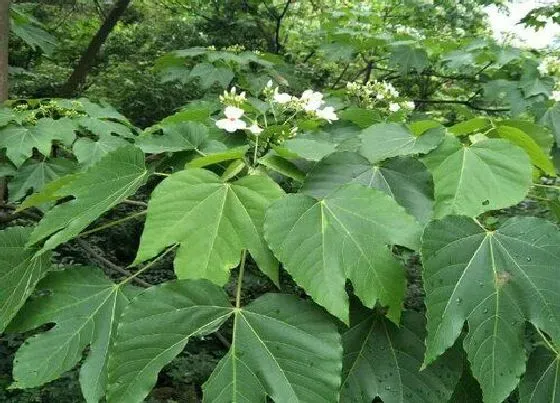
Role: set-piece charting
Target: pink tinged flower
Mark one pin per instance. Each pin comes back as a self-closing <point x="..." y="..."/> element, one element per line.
<point x="282" y="97"/>
<point x="326" y="113"/>
<point x="255" y="129"/>
<point x="232" y="122"/>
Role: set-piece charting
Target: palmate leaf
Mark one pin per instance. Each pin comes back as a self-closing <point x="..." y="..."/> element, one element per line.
<point x="176" y="137"/>
<point x="281" y="347"/>
<point x="105" y="184"/>
<point x="343" y="236"/>
<point x="405" y="179"/>
<point x="84" y="305"/>
<point x="212" y="221"/>
<point x="495" y="280"/>
<point x="89" y="152"/>
<point x="19" y="271"/>
<point x="541" y="382"/>
<point x="383" y="360"/>
<point x="488" y="175"/>
<point x="386" y="140"/>
<point x="35" y="175"/>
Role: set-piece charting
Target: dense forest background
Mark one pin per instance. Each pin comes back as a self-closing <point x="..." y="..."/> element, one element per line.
<point x="145" y="64"/>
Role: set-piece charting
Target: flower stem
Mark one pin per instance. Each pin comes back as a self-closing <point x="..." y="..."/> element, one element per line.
<point x="240" y="278"/>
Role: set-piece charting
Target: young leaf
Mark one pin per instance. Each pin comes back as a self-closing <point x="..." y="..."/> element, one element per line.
<point x="19" y="271"/>
<point x="155" y="327"/>
<point x="387" y="140"/>
<point x="107" y="183"/>
<point x="283" y="348"/>
<point x="496" y="280"/>
<point x="382" y="360"/>
<point x="542" y="379"/>
<point x="35" y="175"/>
<point x="212" y="220"/>
<point x="489" y="175"/>
<point x="344" y="236"/>
<point x="405" y="179"/>
<point x="84" y="305"/>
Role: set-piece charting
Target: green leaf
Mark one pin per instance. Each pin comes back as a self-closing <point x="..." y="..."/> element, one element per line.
<point x="84" y="305"/>
<point x="447" y="147"/>
<point x="360" y="116"/>
<point x="382" y="360"/>
<point x="60" y="129"/>
<point x="386" y="140"/>
<point x="470" y="126"/>
<point x="538" y="133"/>
<point x="176" y="137"/>
<point x="489" y="175"/>
<point x="282" y="166"/>
<point x="6" y="116"/>
<point x="209" y="75"/>
<point x="283" y="348"/>
<point x="405" y="179"/>
<point x="542" y="379"/>
<point x="155" y="328"/>
<point x="551" y="119"/>
<point x="101" y="127"/>
<point x="48" y="193"/>
<point x="19" y="271"/>
<point x="216" y="158"/>
<point x="29" y="30"/>
<point x="467" y="389"/>
<point x="35" y="175"/>
<point x="409" y="58"/>
<point x="344" y="236"/>
<point x="90" y="152"/>
<point x="308" y="148"/>
<point x="495" y="280"/>
<point x="105" y="184"/>
<point x="519" y="138"/>
<point x="212" y="221"/>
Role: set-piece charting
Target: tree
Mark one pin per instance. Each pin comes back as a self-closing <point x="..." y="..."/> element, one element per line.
<point x="79" y="75"/>
<point x="4" y="35"/>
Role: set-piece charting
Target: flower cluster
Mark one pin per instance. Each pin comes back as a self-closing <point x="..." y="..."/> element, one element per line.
<point x="550" y="65"/>
<point x="378" y="94"/>
<point x="310" y="102"/>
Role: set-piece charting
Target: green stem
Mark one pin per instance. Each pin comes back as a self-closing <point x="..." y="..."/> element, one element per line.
<point x="546" y="341"/>
<point x="143" y="269"/>
<point x="240" y="278"/>
<point x="160" y="174"/>
<point x="556" y="187"/>
<point x="113" y="223"/>
<point x="256" y="150"/>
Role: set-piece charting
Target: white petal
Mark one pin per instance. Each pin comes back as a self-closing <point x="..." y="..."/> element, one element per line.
<point x="233" y="112"/>
<point x="255" y="129"/>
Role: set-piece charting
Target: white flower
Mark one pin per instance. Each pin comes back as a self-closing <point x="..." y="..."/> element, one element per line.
<point x="311" y="100"/>
<point x="282" y="98"/>
<point x="233" y="121"/>
<point x="555" y="96"/>
<point x="543" y="68"/>
<point x="269" y="84"/>
<point x="255" y="129"/>
<point x="408" y="105"/>
<point x="394" y="107"/>
<point x="326" y="113"/>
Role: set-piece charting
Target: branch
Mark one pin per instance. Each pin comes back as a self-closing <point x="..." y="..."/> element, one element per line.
<point x="278" y="25"/>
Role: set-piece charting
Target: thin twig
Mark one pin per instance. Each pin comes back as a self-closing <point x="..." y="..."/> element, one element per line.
<point x="113" y="223"/>
<point x="135" y="203"/>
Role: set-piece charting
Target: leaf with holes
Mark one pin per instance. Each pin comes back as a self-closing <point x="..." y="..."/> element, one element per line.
<point x="488" y="175"/>
<point x="84" y="305"/>
<point x="405" y="179"/>
<point x="494" y="280"/>
<point x="343" y="236"/>
<point x="19" y="271"/>
<point x="212" y="221"/>
<point x="383" y="361"/>
<point x="105" y="184"/>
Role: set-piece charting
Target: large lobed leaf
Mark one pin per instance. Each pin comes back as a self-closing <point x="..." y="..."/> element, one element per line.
<point x="107" y="183"/>
<point x="343" y="236"/>
<point x="212" y="221"/>
<point x="495" y="280"/>
<point x="84" y="305"/>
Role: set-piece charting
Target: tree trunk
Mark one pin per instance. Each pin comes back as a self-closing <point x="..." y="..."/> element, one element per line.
<point x="79" y="75"/>
<point x="4" y="35"/>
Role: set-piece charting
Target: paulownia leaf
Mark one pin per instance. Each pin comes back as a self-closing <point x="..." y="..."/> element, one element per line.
<point x="84" y="305"/>
<point x="488" y="175"/>
<point x="155" y="328"/>
<point x="495" y="280"/>
<point x="283" y="348"/>
<point x="386" y="140"/>
<point x="282" y="166"/>
<point x="101" y="127"/>
<point x="405" y="179"/>
<point x="216" y="158"/>
<point x="182" y="136"/>
<point x="343" y="236"/>
<point x="89" y="152"/>
<point x="35" y="175"/>
<point x="542" y="379"/>
<point x="382" y="360"/>
<point x="19" y="271"/>
<point x="47" y="193"/>
<point x="212" y="221"/>
<point x="105" y="184"/>
<point x="409" y="58"/>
